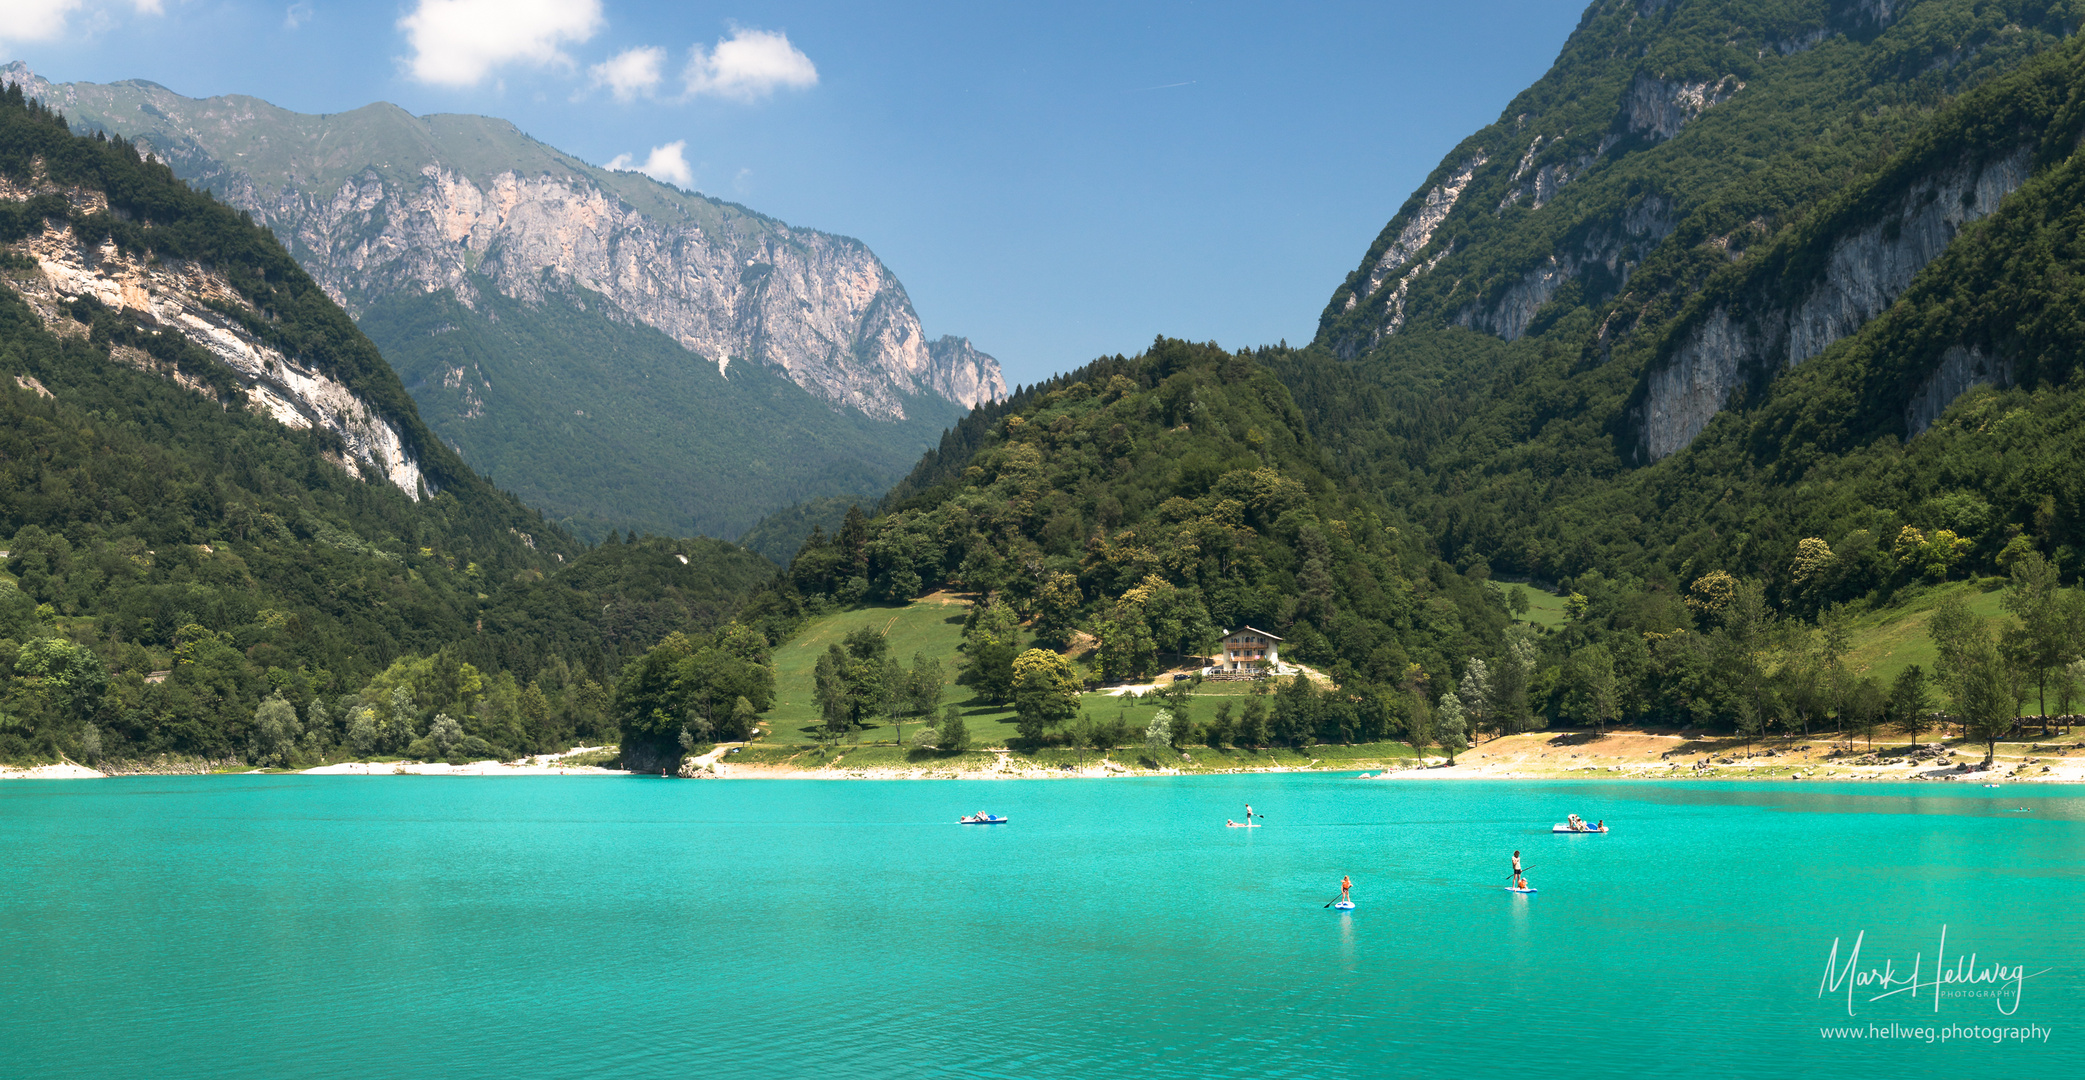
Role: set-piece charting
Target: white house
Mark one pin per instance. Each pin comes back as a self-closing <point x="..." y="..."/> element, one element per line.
<point x="1248" y="649"/>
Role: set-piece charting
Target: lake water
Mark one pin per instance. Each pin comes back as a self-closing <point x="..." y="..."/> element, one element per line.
<point x="288" y="926"/>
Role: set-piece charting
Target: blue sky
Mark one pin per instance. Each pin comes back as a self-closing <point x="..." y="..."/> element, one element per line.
<point x="1056" y="181"/>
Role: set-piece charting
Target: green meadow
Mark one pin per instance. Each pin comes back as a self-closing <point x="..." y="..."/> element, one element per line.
<point x="1884" y="643"/>
<point x="933" y="627"/>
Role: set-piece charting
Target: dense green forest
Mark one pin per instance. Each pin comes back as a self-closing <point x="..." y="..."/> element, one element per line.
<point x="152" y="528"/>
<point x="779" y="534"/>
<point x="1130" y="511"/>
<point x="1526" y="454"/>
<point x="1521" y="450"/>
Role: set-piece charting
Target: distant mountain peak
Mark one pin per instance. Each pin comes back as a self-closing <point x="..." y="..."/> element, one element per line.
<point x="376" y="202"/>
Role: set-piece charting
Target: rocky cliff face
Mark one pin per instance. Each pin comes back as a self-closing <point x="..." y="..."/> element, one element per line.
<point x="1613" y="247"/>
<point x="376" y="202"/>
<point x="1658" y="108"/>
<point x="1773" y="327"/>
<point x="1624" y="99"/>
<point x="1960" y="369"/>
<point x="1396" y="255"/>
<point x="190" y="299"/>
<point x="1571" y="191"/>
<point x="959" y="372"/>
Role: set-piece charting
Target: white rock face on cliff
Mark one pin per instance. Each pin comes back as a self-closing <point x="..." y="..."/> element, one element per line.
<point x="1538" y="185"/>
<point x="959" y="372"/>
<point x="1866" y="272"/>
<point x="376" y="202"/>
<point x="1960" y="369"/>
<point x="1399" y="259"/>
<point x="1659" y="108"/>
<point x="1418" y="229"/>
<point x="177" y="295"/>
<point x="821" y="307"/>
<point x="1617" y="248"/>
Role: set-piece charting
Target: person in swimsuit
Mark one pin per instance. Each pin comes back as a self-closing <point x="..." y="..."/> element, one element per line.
<point x="1248" y="813"/>
<point x="1516" y="864"/>
<point x="1346" y="884"/>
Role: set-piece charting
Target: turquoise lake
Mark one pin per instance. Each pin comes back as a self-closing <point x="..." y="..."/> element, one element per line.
<point x="290" y="926"/>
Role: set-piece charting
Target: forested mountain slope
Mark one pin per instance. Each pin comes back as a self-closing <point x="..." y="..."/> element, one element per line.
<point x="214" y="494"/>
<point x="640" y="355"/>
<point x="1152" y="502"/>
<point x="1703" y="290"/>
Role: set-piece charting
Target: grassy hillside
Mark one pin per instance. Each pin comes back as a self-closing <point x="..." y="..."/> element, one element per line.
<point x="932" y="627"/>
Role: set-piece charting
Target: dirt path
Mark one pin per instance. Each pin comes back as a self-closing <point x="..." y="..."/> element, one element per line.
<point x="710" y="762"/>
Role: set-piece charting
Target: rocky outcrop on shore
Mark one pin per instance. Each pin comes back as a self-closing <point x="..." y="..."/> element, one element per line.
<point x="168" y="765"/>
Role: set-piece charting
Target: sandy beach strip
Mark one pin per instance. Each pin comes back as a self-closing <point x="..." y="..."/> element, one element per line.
<point x="64" y="771"/>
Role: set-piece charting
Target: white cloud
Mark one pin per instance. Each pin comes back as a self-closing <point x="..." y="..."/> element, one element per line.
<point x="665" y="165"/>
<point x="296" y="15"/>
<point x="749" y="64"/>
<point x="36" y="20"/>
<point x="459" y="42"/>
<point x="51" y="20"/>
<point x="632" y="72"/>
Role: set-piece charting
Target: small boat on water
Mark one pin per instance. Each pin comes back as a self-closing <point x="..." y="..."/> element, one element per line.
<point x="1575" y="829"/>
<point x="984" y="819"/>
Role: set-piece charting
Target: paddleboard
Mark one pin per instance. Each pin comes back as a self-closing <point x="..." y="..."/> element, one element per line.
<point x="1236" y="825"/>
<point x="1343" y="905"/>
<point x="1510" y="888"/>
<point x="1577" y="832"/>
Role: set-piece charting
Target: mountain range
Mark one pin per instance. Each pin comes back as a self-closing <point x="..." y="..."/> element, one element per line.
<point x="617" y="351"/>
<point x="1750" y="319"/>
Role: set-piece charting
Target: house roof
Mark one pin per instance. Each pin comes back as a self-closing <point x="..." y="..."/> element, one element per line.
<point x="1252" y="629"/>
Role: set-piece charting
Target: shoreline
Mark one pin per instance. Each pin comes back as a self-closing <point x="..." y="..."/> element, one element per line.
<point x="535" y="765"/>
<point x="1618" y="755"/>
